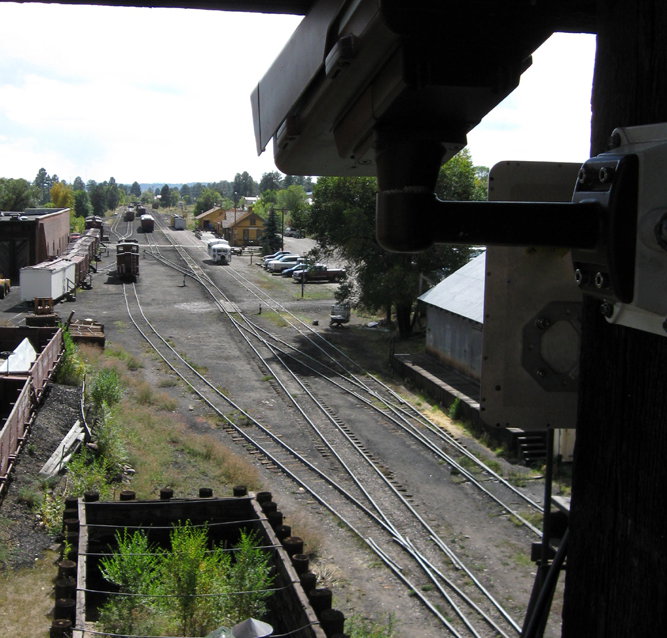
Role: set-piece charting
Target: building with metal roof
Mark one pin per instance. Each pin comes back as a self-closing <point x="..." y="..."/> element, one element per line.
<point x="455" y="316"/>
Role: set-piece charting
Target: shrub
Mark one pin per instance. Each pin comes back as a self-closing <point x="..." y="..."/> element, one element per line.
<point x="134" y="568"/>
<point x="71" y="369"/>
<point x="189" y="588"/>
<point x="110" y="443"/>
<point x="106" y="388"/>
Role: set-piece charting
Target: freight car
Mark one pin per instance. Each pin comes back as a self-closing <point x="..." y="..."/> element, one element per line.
<point x="129" y="214"/>
<point x="49" y="280"/>
<point x="127" y="259"/>
<point x="21" y="391"/>
<point x="58" y="278"/>
<point x="94" y="221"/>
<point x="147" y="223"/>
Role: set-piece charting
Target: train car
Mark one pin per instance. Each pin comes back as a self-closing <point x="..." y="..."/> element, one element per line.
<point x="129" y="214"/>
<point x="147" y="223"/>
<point x="94" y="235"/>
<point x="94" y="221"/>
<point x="221" y="253"/>
<point x="88" y="243"/>
<point x="81" y="263"/>
<point x="127" y="259"/>
<point x="141" y="210"/>
<point x="178" y="222"/>
<point x="48" y="280"/>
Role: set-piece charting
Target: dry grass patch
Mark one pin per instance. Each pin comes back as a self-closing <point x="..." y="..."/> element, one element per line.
<point x="165" y="453"/>
<point x="303" y="527"/>
<point x="26" y="599"/>
<point x="144" y="394"/>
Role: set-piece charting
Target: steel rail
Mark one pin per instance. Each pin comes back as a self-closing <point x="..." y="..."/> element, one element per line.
<point x="391" y="529"/>
<point x="281" y="465"/>
<point x="273" y="349"/>
<point x="414" y="412"/>
<point x="409" y="429"/>
<point x="414" y="433"/>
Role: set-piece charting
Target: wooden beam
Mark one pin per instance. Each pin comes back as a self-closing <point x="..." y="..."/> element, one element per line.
<point x="616" y="583"/>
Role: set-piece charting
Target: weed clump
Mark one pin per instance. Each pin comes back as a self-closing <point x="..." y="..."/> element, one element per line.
<point x="191" y="588"/>
<point x="72" y="368"/>
<point x="106" y="388"/>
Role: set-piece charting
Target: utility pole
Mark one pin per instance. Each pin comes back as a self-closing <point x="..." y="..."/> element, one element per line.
<point x="616" y="578"/>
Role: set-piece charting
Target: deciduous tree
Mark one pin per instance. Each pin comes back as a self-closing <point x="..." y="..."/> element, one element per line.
<point x="62" y="195"/>
<point x="343" y="218"/>
<point x="270" y="181"/>
<point x="135" y="190"/>
<point x="244" y="186"/>
<point x="17" y="194"/>
<point x="208" y="199"/>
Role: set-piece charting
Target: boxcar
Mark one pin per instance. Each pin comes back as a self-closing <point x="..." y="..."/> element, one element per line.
<point x="127" y="259"/>
<point x="147" y="223"/>
<point x="48" y="280"/>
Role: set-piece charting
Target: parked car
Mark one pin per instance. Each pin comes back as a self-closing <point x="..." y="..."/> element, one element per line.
<point x="319" y="272"/>
<point x="292" y="232"/>
<point x="284" y="262"/>
<point x="288" y="272"/>
<point x="277" y="255"/>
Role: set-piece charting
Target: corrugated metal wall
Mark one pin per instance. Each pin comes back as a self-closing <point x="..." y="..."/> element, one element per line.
<point x="454" y="340"/>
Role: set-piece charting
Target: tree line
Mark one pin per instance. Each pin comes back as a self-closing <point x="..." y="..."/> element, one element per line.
<point x="339" y="212"/>
<point x="96" y="198"/>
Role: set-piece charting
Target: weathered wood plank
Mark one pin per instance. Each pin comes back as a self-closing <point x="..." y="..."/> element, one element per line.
<point x="616" y="583"/>
<point x="64" y="451"/>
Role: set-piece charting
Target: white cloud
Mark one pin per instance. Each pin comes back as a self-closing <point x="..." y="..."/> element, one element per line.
<point x="145" y="94"/>
<point x="164" y="94"/>
<point x="548" y="117"/>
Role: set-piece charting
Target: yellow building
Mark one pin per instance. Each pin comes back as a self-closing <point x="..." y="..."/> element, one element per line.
<point x="241" y="228"/>
<point x="208" y="219"/>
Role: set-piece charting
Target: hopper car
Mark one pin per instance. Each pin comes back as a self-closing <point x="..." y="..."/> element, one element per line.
<point x="127" y="259"/>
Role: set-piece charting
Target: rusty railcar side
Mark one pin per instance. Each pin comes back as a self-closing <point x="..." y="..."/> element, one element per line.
<point x="23" y="392"/>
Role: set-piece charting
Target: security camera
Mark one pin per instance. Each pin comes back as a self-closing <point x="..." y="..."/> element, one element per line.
<point x="388" y="88"/>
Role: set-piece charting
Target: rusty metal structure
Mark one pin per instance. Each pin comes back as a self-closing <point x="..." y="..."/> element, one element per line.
<point x="57" y="278"/>
<point x="21" y="392"/>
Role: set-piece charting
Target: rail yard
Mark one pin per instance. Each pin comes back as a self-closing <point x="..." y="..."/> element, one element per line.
<point x="420" y="524"/>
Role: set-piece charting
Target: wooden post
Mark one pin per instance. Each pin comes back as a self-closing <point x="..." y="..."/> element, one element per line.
<point x="616" y="582"/>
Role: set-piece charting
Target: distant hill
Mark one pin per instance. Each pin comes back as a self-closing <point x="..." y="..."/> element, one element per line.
<point x="159" y="185"/>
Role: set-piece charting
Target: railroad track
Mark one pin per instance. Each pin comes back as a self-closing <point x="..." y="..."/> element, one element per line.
<point x="335" y="465"/>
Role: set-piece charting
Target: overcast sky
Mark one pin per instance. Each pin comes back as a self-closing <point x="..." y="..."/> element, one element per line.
<point x="163" y="95"/>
